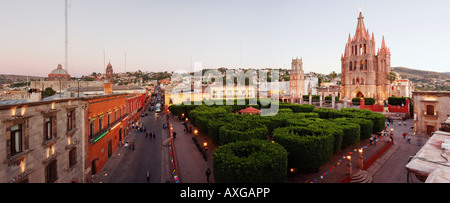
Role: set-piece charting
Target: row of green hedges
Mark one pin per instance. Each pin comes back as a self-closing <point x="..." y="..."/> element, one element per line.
<point x="367" y="101"/>
<point x="241" y="131"/>
<point x="398" y="101"/>
<point x="377" y="119"/>
<point x="254" y="161"/>
<point x="309" y="135"/>
<point x="308" y="148"/>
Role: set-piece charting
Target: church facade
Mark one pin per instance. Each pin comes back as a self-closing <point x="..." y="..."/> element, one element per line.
<point x="365" y="68"/>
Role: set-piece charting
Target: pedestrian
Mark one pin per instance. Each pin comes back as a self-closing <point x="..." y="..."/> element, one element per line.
<point x="154" y="134"/>
<point x="404" y="135"/>
<point x="174" y="135"/>
<point x="208" y="172"/>
<point x="146" y="133"/>
<point x="408" y="140"/>
<point x="132" y="145"/>
<point x="148" y="176"/>
<point x="371" y="140"/>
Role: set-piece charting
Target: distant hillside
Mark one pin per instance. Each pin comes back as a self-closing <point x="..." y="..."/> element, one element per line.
<point x="17" y="78"/>
<point x="420" y="75"/>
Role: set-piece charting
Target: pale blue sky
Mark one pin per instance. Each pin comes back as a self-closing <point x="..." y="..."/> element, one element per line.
<point x="160" y="35"/>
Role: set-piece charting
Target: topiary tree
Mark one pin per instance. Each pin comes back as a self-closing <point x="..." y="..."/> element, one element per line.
<point x="253" y="161"/>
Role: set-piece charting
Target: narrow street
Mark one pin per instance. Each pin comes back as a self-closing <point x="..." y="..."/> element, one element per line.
<point x="146" y="156"/>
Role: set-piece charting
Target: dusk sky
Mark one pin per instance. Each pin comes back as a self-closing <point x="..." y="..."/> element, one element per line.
<point x="166" y="35"/>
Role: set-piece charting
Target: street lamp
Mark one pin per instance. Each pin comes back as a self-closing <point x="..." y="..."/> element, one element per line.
<point x="205" y="145"/>
<point x="196" y="132"/>
<point x="361" y="159"/>
<point x="349" y="167"/>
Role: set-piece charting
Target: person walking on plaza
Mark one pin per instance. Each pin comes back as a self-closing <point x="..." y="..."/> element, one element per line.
<point x="408" y="140"/>
<point x="208" y="172"/>
<point x="148" y="176"/>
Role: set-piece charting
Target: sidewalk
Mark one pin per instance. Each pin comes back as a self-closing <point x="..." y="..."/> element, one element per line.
<point x="192" y="167"/>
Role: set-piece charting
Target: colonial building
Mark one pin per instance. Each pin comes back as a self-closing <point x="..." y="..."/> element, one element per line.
<point x="364" y="68"/>
<point x="431" y="110"/>
<point x="41" y="142"/>
<point x="106" y="121"/>
<point x="401" y="87"/>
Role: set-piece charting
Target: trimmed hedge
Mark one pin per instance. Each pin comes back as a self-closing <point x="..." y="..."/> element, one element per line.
<point x="351" y="132"/>
<point x="335" y="129"/>
<point x="241" y="131"/>
<point x="398" y="101"/>
<point x="254" y="161"/>
<point x="308" y="148"/>
<point x="297" y="108"/>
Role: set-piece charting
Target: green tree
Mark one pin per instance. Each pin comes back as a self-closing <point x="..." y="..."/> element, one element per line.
<point x="48" y="92"/>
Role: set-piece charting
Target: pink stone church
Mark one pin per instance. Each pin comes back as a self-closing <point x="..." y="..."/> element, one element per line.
<point x="364" y="68"/>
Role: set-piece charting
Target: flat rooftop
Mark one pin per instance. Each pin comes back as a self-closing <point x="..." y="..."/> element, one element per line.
<point x="431" y="163"/>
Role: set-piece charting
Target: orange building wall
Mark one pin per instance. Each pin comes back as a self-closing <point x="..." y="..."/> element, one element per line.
<point x="101" y="107"/>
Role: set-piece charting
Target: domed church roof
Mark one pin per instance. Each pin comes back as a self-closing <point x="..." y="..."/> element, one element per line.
<point x="59" y="71"/>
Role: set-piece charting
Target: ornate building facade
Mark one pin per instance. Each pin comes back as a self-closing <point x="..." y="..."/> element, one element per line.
<point x="364" y="69"/>
<point x="297" y="80"/>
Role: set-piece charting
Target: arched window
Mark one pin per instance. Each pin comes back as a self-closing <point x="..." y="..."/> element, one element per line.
<point x="360" y="49"/>
<point x="362" y="65"/>
<point x="350" y="67"/>
<point x="362" y="81"/>
<point x="354" y="66"/>
<point x="353" y="81"/>
<point x="365" y="49"/>
<point x="357" y="80"/>
<point x="365" y="65"/>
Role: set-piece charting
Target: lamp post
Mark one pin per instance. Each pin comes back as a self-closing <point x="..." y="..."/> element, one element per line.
<point x="205" y="146"/>
<point x="361" y="159"/>
<point x="349" y="167"/>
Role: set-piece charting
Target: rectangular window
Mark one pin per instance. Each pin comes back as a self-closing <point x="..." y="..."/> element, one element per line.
<point x="70" y="119"/>
<point x="16" y="139"/>
<point x="109" y="120"/>
<point x="48" y="128"/>
<point x="100" y="122"/>
<point x="430" y="110"/>
<point x="91" y="129"/>
<point x="72" y="157"/>
<point x="51" y="172"/>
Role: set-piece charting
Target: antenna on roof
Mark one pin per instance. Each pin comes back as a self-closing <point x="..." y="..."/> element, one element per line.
<point x="66" y="56"/>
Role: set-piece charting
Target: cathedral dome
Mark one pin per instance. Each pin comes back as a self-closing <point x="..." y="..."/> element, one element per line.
<point x="58" y="74"/>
